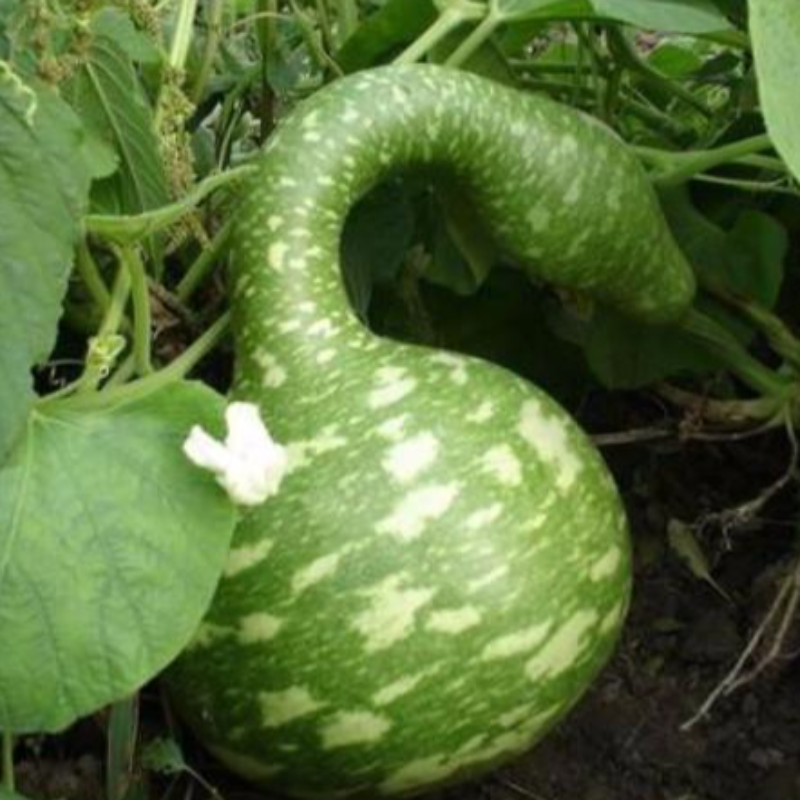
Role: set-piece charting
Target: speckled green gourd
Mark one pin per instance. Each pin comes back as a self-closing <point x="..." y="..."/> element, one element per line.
<point x="446" y="566"/>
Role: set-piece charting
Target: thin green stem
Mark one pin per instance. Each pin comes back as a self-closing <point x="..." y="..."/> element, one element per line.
<point x="89" y="273"/>
<point x="325" y="25"/>
<point x="128" y="229"/>
<point x="8" y="762"/>
<point x="479" y="36"/>
<point x="717" y="340"/>
<point x="182" y="38"/>
<point x="774" y="187"/>
<point x="120" y="292"/>
<point x="175" y="371"/>
<point x="679" y="167"/>
<point x="179" y="51"/>
<point x="142" y="318"/>
<point x="314" y="44"/>
<point x="347" y="18"/>
<point x="647" y="114"/>
<point x="214" y="13"/>
<point x="629" y="56"/>
<point x="201" y="266"/>
<point x="777" y="333"/>
<point x="449" y="20"/>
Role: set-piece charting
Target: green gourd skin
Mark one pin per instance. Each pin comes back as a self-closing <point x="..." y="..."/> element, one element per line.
<point x="446" y="566"/>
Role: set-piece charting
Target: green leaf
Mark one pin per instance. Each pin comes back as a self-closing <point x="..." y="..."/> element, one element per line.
<point x="775" y="32"/>
<point x="43" y="194"/>
<point x="164" y="756"/>
<point x="115" y="24"/>
<point x="376" y="238"/>
<point x="108" y="96"/>
<point x="513" y="10"/>
<point x="395" y="24"/>
<point x="675" y="16"/>
<point x="111" y="544"/>
<point x="747" y="260"/>
<point x="682" y="540"/>
<point x="6" y="795"/>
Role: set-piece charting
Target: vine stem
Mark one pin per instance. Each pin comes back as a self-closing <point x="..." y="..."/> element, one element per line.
<point x="142" y="318"/>
<point x="8" y="762"/>
<point x="630" y="57"/>
<point x="175" y="371"/>
<point x="449" y="20"/>
<point x="214" y="13"/>
<point x="89" y="272"/>
<point x="716" y="339"/>
<point x="127" y="229"/>
<point x="201" y="266"/>
<point x="680" y="167"/>
<point x="484" y="30"/>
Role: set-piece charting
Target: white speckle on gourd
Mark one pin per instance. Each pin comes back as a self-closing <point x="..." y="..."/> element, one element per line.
<point x="501" y="463"/>
<point x="302" y="453"/>
<point x="259" y="627"/>
<point x="516" y="643"/>
<point x="484" y="516"/>
<point x="246" y="556"/>
<point x="539" y="219"/>
<point x="273" y="375"/>
<point x="408" y="459"/>
<point x="324" y="328"/>
<point x="399" y="688"/>
<point x="353" y="727"/>
<point x="325" y="356"/>
<point x="458" y="365"/>
<point x="208" y="633"/>
<point x="392" y="611"/>
<point x="483" y="413"/>
<point x="563" y="648"/>
<point x="550" y="439"/>
<point x="612" y="619"/>
<point x="606" y="565"/>
<point x="287" y="183"/>
<point x="276" y="255"/>
<point x="319" y="569"/>
<point x="416" y="509"/>
<point x="274" y="222"/>
<point x="393" y="428"/>
<point x="279" y="708"/>
<point x="391" y="393"/>
<point x="489" y="578"/>
<point x="453" y="620"/>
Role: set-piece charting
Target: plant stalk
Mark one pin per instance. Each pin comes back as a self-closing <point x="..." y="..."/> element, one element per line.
<point x="8" y="762"/>
<point x="448" y="21"/>
<point x="480" y="34"/>
<point x="214" y="13"/>
<point x="142" y="317"/>
<point x="716" y="340"/>
<point x="201" y="266"/>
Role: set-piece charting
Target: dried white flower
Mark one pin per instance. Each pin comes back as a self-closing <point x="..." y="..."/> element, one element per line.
<point x="249" y="465"/>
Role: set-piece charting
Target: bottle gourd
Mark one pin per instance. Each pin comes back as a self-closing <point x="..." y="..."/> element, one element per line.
<point x="446" y="566"/>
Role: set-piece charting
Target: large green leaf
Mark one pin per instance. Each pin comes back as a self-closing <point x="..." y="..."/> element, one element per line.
<point x="676" y="16"/>
<point x="111" y="544"/>
<point x="395" y="24"/>
<point x="109" y="97"/>
<point x="512" y="10"/>
<point x="43" y="191"/>
<point x="775" y="31"/>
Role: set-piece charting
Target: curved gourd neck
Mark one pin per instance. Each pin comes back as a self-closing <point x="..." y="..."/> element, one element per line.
<point x="554" y="189"/>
